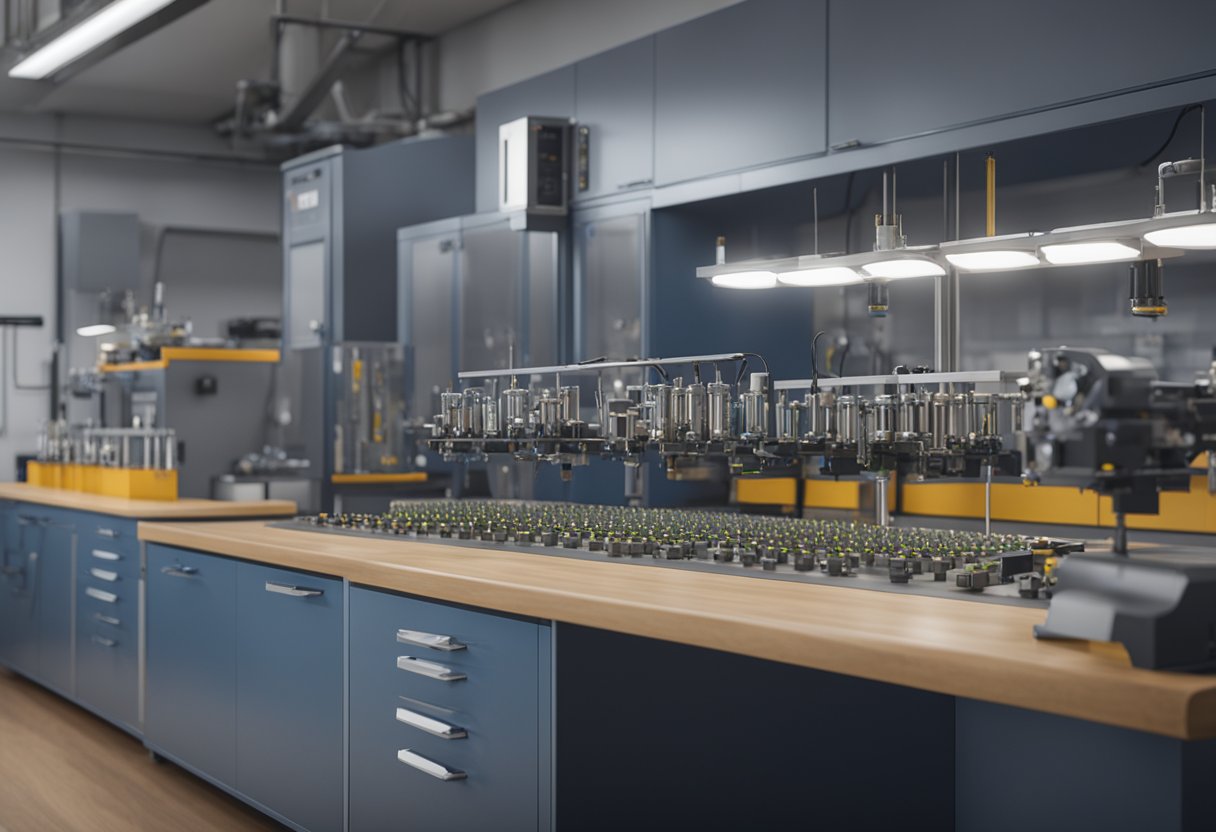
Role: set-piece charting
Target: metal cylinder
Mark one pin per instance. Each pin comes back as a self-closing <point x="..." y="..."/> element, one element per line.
<point x="472" y="414"/>
<point x="789" y="421"/>
<point x="846" y="419"/>
<point x="960" y="419"/>
<point x="489" y="418"/>
<point x="450" y="403"/>
<point x="913" y="418"/>
<point x="658" y="402"/>
<point x="621" y="419"/>
<point x="939" y="419"/>
<point x="984" y="420"/>
<point x="569" y="398"/>
<point x="884" y="422"/>
<point x="548" y="415"/>
<point x="515" y="405"/>
<point x="820" y="414"/>
<point x="718" y="410"/>
<point x="681" y="409"/>
<point x="696" y="411"/>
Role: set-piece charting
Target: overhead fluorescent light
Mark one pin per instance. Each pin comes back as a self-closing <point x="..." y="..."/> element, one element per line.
<point x="93" y="330"/>
<point x="899" y="268"/>
<point x="1185" y="230"/>
<point x="1090" y="251"/>
<point x="745" y="280"/>
<point x="996" y="260"/>
<point x="823" y="276"/>
<point x="118" y="18"/>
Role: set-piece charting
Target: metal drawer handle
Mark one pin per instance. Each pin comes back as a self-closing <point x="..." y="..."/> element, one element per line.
<point x="102" y="554"/>
<point x="106" y="619"/>
<point x="435" y="642"/>
<point x="101" y="595"/>
<point x="430" y="767"/>
<point x="431" y="726"/>
<point x="180" y="571"/>
<point x="103" y="574"/>
<point x="293" y="591"/>
<point x="105" y="642"/>
<point x="425" y="668"/>
<point x="104" y="532"/>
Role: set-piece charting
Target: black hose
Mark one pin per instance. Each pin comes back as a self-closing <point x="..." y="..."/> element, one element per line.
<point x="1173" y="132"/>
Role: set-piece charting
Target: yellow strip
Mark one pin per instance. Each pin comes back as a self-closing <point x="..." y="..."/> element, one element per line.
<point x="170" y="354"/>
<point x="770" y="491"/>
<point x="1010" y="501"/>
<point x="844" y="494"/>
<point x="361" y="479"/>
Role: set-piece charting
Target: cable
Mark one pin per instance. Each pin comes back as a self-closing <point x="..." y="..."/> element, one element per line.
<point x="815" y="362"/>
<point x="1173" y="132"/>
<point x="17" y="385"/>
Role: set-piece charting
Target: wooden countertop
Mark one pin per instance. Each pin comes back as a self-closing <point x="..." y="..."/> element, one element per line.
<point x="962" y="648"/>
<point x="184" y="509"/>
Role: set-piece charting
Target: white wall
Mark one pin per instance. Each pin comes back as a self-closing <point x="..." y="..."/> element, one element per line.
<point x="535" y="36"/>
<point x="97" y="170"/>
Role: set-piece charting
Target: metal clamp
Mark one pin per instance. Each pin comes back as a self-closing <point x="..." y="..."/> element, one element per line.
<point x="429" y="669"/>
<point x="101" y="595"/>
<point x="103" y="574"/>
<point x="105" y="642"/>
<point x="293" y="591"/>
<point x="180" y="571"/>
<point x="431" y="726"/>
<point x="437" y="770"/>
<point x="436" y="642"/>
<point x="102" y="554"/>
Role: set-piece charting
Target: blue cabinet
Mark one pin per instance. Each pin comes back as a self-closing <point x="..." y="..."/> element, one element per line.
<point x="449" y="717"/>
<point x="742" y="87"/>
<point x="903" y="69"/>
<point x="107" y="618"/>
<point x="36" y="594"/>
<point x="191" y="659"/>
<point x="289" y="691"/>
<point x="614" y="103"/>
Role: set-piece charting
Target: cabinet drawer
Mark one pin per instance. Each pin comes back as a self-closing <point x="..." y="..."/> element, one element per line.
<point x="107" y="656"/>
<point x="400" y="769"/>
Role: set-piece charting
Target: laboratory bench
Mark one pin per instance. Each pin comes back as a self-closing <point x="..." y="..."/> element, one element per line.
<point x="344" y="682"/>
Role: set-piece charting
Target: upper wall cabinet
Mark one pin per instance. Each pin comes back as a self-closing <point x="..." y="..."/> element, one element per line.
<point x="901" y="69"/>
<point x="551" y="94"/>
<point x="739" y="88"/>
<point x="614" y="103"/>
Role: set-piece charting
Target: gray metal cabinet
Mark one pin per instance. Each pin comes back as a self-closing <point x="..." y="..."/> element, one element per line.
<point x="289" y="689"/>
<point x="902" y="69"/>
<point x="191" y="660"/>
<point x="449" y="717"/>
<point x="740" y="88"/>
<point x="614" y="103"/>
<point x="18" y="646"/>
<point x="551" y="94"/>
<point x="107" y="618"/>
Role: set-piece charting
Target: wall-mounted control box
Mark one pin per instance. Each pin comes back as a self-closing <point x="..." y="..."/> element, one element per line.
<point x="534" y="171"/>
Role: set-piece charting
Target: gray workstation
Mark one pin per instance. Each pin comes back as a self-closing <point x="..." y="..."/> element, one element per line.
<point x="457" y="415"/>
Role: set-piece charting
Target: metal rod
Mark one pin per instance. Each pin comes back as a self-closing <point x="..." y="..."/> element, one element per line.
<point x="602" y="365"/>
<point x="1202" y="159"/>
<point x="815" y="211"/>
<point x="881" y="515"/>
<point x="990" y="194"/>
<point x="350" y="26"/>
<point x="988" y="499"/>
<point x="1119" y="544"/>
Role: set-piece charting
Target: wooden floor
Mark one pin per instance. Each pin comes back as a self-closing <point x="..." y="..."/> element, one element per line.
<point x="64" y="770"/>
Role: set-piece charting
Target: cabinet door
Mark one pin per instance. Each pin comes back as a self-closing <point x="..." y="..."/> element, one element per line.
<point x="17" y="567"/>
<point x="614" y="103"/>
<point x="902" y="69"/>
<point x="53" y="600"/>
<point x="289" y="694"/>
<point x="551" y="94"/>
<point x="742" y="87"/>
<point x="191" y="659"/>
<point x="447" y="752"/>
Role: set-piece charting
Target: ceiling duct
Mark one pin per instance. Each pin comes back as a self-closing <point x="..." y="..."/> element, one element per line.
<point x="308" y="70"/>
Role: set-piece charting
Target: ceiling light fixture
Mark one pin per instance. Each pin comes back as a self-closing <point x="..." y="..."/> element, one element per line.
<point x="1090" y="251"/>
<point x="93" y="330"/>
<point x="821" y="276"/>
<point x="131" y="19"/>
<point x="1184" y="230"/>
<point x="900" y="267"/>
<point x="745" y="280"/>
<point x="993" y="254"/>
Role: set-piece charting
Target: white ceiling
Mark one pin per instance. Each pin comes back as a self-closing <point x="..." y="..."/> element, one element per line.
<point x="187" y="71"/>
